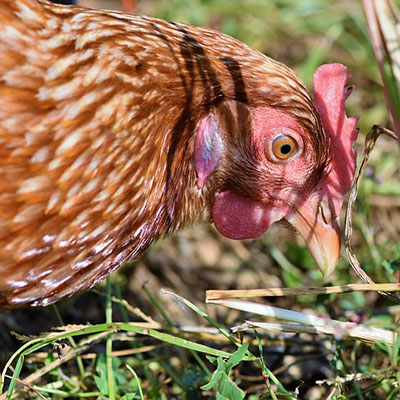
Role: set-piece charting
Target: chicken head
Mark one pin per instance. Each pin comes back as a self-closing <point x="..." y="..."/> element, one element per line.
<point x="272" y="167"/>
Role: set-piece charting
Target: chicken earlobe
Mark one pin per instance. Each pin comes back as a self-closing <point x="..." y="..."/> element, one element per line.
<point x="208" y="148"/>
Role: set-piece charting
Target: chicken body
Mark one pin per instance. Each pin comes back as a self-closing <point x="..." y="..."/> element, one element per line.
<point x="117" y="129"/>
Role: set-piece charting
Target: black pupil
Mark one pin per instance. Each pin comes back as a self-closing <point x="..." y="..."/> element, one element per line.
<point x="286" y="149"/>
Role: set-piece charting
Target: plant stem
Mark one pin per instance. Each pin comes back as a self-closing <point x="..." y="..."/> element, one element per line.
<point x="72" y="342"/>
<point x="110" y="375"/>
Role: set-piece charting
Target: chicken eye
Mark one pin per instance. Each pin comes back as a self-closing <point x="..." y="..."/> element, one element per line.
<point x="284" y="147"/>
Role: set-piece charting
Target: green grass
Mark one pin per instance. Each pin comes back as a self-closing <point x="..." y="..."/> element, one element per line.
<point x="213" y="370"/>
<point x="128" y="341"/>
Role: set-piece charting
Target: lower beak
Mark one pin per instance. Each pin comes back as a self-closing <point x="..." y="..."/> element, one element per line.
<point x="320" y="231"/>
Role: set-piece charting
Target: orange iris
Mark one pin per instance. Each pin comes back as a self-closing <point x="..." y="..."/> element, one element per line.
<point x="284" y="147"/>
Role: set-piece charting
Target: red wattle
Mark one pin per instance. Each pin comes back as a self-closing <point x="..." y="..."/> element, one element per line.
<point x="238" y="217"/>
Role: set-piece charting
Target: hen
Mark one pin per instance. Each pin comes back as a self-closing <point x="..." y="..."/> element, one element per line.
<point x="116" y="129"/>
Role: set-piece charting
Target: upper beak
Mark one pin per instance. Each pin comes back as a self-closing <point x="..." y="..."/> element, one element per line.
<point x="318" y="226"/>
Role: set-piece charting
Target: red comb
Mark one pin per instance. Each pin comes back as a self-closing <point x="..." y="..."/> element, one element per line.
<point x="330" y="94"/>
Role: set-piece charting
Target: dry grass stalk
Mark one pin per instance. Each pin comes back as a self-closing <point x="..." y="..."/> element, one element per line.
<point x="340" y="330"/>
<point x="309" y="323"/>
<point x="382" y="21"/>
<point x="339" y="380"/>
<point x="31" y="388"/>
<point x="268" y="292"/>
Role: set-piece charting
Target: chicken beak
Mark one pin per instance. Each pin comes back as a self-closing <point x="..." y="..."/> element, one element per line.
<point x="320" y="230"/>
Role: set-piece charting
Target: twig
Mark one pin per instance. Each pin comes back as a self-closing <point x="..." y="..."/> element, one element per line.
<point x="370" y="141"/>
<point x="27" y="385"/>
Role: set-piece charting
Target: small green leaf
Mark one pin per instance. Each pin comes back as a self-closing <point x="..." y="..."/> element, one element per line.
<point x="229" y="389"/>
<point x="236" y="357"/>
<point x="129" y="396"/>
<point x="216" y="375"/>
<point x="101" y="378"/>
<point x="226" y="388"/>
<point x="212" y="360"/>
<point x="101" y="384"/>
